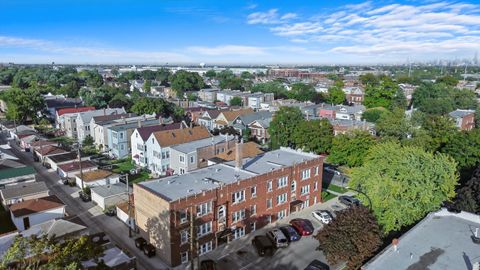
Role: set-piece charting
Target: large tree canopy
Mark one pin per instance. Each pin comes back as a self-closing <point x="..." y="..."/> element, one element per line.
<point x="183" y="80"/>
<point x="350" y="149"/>
<point x="380" y="94"/>
<point x="302" y="92"/>
<point x="440" y="98"/>
<point x="314" y="136"/>
<point x="468" y="197"/>
<point x="277" y="88"/>
<point x="404" y="183"/>
<point x="23" y="104"/>
<point x="283" y="126"/>
<point x="353" y="236"/>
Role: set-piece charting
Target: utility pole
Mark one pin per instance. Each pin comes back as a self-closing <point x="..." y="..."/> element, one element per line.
<point x="129" y="209"/>
<point x="80" y="162"/>
<point x="192" y="266"/>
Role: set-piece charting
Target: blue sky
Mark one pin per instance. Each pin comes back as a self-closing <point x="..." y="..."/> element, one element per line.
<point x="257" y="32"/>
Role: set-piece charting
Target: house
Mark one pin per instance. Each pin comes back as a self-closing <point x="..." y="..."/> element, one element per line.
<point x="126" y="214"/>
<point x="12" y="176"/>
<point x="136" y="84"/>
<point x="83" y="121"/>
<point x="442" y="240"/>
<point x="118" y="137"/>
<point x="22" y="192"/>
<point x="97" y="178"/>
<point x="57" y="102"/>
<point x="41" y="143"/>
<point x="340" y="112"/>
<point x="194" y="113"/>
<point x="139" y="137"/>
<point x="242" y="122"/>
<point x="249" y="150"/>
<point x="341" y="126"/>
<point x="56" y="160"/>
<point x="354" y="95"/>
<point x="226" y="118"/>
<point x="26" y="141"/>
<point x="109" y="195"/>
<point x="226" y="201"/>
<point x="464" y="119"/>
<point x="63" y="117"/>
<point x="57" y="229"/>
<point x="189" y="156"/>
<point x="21" y="131"/>
<point x="44" y="151"/>
<point x="259" y="129"/>
<point x="32" y="212"/>
<point x="207" y="118"/>
<point x="209" y="94"/>
<point x="69" y="170"/>
<point x="159" y="143"/>
<point x="99" y="125"/>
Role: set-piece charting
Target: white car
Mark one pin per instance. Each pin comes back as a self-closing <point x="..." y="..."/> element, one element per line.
<point x="322" y="216"/>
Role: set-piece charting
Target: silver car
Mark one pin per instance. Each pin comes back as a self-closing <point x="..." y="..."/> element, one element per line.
<point x="277" y="238"/>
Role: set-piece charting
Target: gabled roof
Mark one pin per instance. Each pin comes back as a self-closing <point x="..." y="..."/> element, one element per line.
<point x="63" y="111"/>
<point x="249" y="149"/>
<point x="247" y="119"/>
<point x="23" y="189"/>
<point x="265" y="123"/>
<point x="231" y="115"/>
<point x="178" y="136"/>
<point x="54" y="228"/>
<point x="75" y="166"/>
<point x="145" y="132"/>
<point x="29" y="207"/>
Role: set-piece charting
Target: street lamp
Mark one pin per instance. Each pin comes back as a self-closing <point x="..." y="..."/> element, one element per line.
<point x="364" y="194"/>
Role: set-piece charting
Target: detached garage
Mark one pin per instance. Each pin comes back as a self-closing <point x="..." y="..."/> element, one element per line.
<point x="109" y="195"/>
<point x="36" y="211"/>
<point x="97" y="178"/>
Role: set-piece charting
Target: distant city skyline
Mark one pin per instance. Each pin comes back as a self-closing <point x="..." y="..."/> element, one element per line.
<point x="237" y="32"/>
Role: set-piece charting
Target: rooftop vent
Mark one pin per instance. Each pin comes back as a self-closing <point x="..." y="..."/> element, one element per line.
<point x="189" y="190"/>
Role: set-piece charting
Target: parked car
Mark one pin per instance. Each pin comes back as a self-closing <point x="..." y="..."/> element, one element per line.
<point x="277" y="238"/>
<point x="140" y="242"/>
<point x="349" y="200"/>
<point x="149" y="250"/>
<point x="317" y="265"/>
<point x="208" y="265"/>
<point x="331" y="170"/>
<point x="303" y="226"/>
<point x="263" y="245"/>
<point x="323" y="216"/>
<point x="84" y="196"/>
<point x="290" y="232"/>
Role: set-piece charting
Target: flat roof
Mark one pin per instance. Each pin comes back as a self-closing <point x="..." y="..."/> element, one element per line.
<point x="193" y="146"/>
<point x="16" y="172"/>
<point x="23" y="189"/>
<point x="180" y="186"/>
<point x="64" y="157"/>
<point x="110" y="190"/>
<point x="440" y="241"/>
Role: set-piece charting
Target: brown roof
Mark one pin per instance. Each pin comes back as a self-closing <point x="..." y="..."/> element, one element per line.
<point x="178" y="136"/>
<point x="50" y="150"/>
<point x="250" y="149"/>
<point x="124" y="207"/>
<point x="74" y="166"/>
<point x="42" y="143"/>
<point x="33" y="206"/>
<point x="231" y="115"/>
<point x="95" y="175"/>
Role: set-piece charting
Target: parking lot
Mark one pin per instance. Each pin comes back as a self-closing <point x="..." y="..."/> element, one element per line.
<point x="240" y="254"/>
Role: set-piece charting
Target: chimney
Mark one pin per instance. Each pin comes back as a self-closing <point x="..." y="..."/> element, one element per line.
<point x="104" y="111"/>
<point x="139" y="123"/>
<point x="239" y="155"/>
<point x="160" y="120"/>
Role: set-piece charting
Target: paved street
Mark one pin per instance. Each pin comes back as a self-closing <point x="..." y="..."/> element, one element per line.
<point x="90" y="214"/>
<point x="240" y="254"/>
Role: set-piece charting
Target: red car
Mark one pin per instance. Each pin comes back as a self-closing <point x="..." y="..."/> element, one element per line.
<point x="303" y="226"/>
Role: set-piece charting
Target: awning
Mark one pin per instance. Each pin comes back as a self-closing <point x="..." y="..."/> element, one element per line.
<point x="296" y="202"/>
<point x="224" y="233"/>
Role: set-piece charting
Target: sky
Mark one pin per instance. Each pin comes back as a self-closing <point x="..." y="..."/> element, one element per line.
<point x="237" y="32"/>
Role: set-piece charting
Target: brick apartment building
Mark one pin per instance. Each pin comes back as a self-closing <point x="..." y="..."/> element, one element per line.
<point x="464" y="119"/>
<point x="227" y="201"/>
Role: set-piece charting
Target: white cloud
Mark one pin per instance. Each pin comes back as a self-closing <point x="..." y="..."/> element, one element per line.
<point x="297" y="29"/>
<point x="270" y="17"/>
<point x="227" y="50"/>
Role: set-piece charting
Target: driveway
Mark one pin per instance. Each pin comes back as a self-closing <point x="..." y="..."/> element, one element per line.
<point x="240" y="254"/>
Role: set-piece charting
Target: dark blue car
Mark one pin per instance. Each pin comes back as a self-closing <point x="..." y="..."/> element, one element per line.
<point x="291" y="234"/>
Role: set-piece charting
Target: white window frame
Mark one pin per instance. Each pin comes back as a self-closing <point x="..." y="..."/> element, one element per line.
<point x="282" y="214"/>
<point x="238" y="215"/>
<point x="305" y="174"/>
<point x="184" y="236"/>
<point x="183" y="216"/>
<point x="204" y="229"/>
<point x="253" y="190"/>
<point x="221" y="212"/>
<point x="282" y="198"/>
<point x="238" y="196"/>
<point x="205" y="248"/>
<point x="282" y="182"/>
<point x="204" y="209"/>
<point x="184" y="259"/>
<point x="304" y="190"/>
<point x="293" y="186"/>
<point x="271" y="203"/>
<point x="181" y="159"/>
<point x="253" y="209"/>
<point x="269" y="186"/>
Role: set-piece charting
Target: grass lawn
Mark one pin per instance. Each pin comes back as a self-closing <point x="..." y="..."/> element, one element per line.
<point x="336" y="188"/>
<point x="328" y="197"/>
<point x="142" y="176"/>
<point x="123" y="166"/>
<point x="6" y="224"/>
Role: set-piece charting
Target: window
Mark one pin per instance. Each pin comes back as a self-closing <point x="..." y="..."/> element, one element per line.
<point x="221" y="212"/>
<point x="315" y="186"/>
<point x="305" y="190"/>
<point x="204" y="229"/>
<point x="305" y="174"/>
<point x="205" y="248"/>
<point x="192" y="159"/>
<point x="183" y="216"/>
<point x="282" y="198"/>
<point x="167" y="154"/>
<point x="184" y="236"/>
<point x="253" y="226"/>
<point x="182" y="159"/>
<point x="294" y="186"/>
<point x="238" y="215"/>
<point x="269" y="203"/>
<point x="282" y="214"/>
<point x="122" y="147"/>
<point x="163" y="155"/>
<point x="238" y="232"/>
<point x="253" y="209"/>
<point x="204" y="208"/>
<point x="269" y="186"/>
<point x="253" y="190"/>
<point x="139" y="147"/>
<point x="282" y="182"/>
<point x="269" y="219"/>
<point x="121" y="135"/>
<point x="184" y="257"/>
<point x="238" y="196"/>
<point x="182" y="171"/>
<point x="153" y="141"/>
<point x="316" y="170"/>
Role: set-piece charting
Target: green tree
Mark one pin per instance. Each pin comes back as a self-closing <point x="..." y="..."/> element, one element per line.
<point x="23" y="104"/>
<point x="145" y="105"/>
<point x="468" y="197"/>
<point x="399" y="100"/>
<point x="380" y="95"/>
<point x="246" y="75"/>
<point x="350" y="149"/>
<point x="314" y="136"/>
<point x="448" y="80"/>
<point x="369" y="79"/>
<point x="404" y="183"/>
<point x="335" y="95"/>
<point x="88" y="141"/>
<point x="441" y="99"/>
<point x="464" y="148"/>
<point x="302" y="92"/>
<point x="147" y="86"/>
<point x="183" y="80"/>
<point x="283" y="126"/>
<point x="236" y="101"/>
<point x="353" y="236"/>
<point x="70" y="89"/>
<point x="211" y="74"/>
<point x="278" y="90"/>
<point x="440" y="128"/>
<point x="235" y="83"/>
<point x="373" y="115"/>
